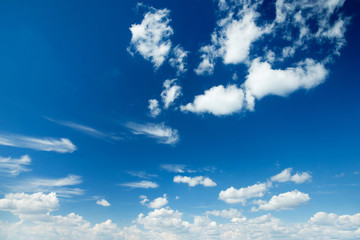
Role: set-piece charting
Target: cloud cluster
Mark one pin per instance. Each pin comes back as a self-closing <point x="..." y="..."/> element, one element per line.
<point x="193" y="181"/>
<point x="285" y="176"/>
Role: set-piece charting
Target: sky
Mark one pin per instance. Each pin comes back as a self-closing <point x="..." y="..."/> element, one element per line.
<point x="206" y="119"/>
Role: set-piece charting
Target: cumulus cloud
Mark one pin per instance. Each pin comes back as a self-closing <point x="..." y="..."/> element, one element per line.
<point x="226" y="213"/>
<point x="140" y="184"/>
<point x="178" y="59"/>
<point x="29" y="204"/>
<point x="62" y="145"/>
<point x="161" y="132"/>
<point x="193" y="181"/>
<point x="284" y="201"/>
<point x="62" y="186"/>
<point x="217" y="100"/>
<point x="14" y="166"/>
<point x="151" y="38"/>
<point x="233" y="195"/>
<point x="170" y="93"/>
<point x="103" y="202"/>
<point x="285" y="176"/>
<point x="154" y="108"/>
<point x="156" y="203"/>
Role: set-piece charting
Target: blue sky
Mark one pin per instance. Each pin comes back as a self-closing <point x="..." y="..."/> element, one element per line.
<point x="207" y="119"/>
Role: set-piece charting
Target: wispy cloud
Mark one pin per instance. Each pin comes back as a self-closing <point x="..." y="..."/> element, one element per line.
<point x="140" y="184"/>
<point x="62" y="186"/>
<point x="161" y="132"/>
<point x="13" y="167"/>
<point x="86" y="129"/>
<point x="141" y="174"/>
<point x="61" y="145"/>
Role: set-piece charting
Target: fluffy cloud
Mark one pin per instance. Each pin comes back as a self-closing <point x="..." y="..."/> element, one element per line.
<point x="217" y="100"/>
<point x="161" y="132"/>
<point x="284" y="201"/>
<point x="171" y="92"/>
<point x="141" y="184"/>
<point x="262" y="80"/>
<point x="103" y="202"/>
<point x="285" y="176"/>
<point x="233" y="195"/>
<point x="29" y="204"/>
<point x="12" y="166"/>
<point x="178" y="59"/>
<point x="62" y="145"/>
<point x="154" y="108"/>
<point x="150" y="38"/>
<point x="226" y="213"/>
<point x="156" y="203"/>
<point x="193" y="181"/>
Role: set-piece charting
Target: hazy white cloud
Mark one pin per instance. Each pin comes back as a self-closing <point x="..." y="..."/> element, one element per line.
<point x="156" y="203"/>
<point x="151" y="38"/>
<point x="285" y="176"/>
<point x="175" y="168"/>
<point x="161" y="132"/>
<point x="140" y="184"/>
<point x="193" y="181"/>
<point x="141" y="174"/>
<point x="233" y="195"/>
<point x="217" y="100"/>
<point x="62" y="145"/>
<point x="226" y="213"/>
<point x="154" y="108"/>
<point x="59" y="185"/>
<point x="170" y="93"/>
<point x="14" y="166"/>
<point x="103" y="202"/>
<point x="207" y="63"/>
<point x="29" y="204"/>
<point x="85" y="129"/>
<point x="284" y="201"/>
<point x="178" y="59"/>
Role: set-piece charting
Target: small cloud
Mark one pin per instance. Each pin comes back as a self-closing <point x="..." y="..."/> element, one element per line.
<point x="178" y="59"/>
<point x="170" y="93"/>
<point x="62" y="145"/>
<point x="141" y="184"/>
<point x="285" y="176"/>
<point x="156" y="203"/>
<point x="175" y="168"/>
<point x="141" y="174"/>
<point x="233" y="195"/>
<point x="339" y="175"/>
<point x="13" y="167"/>
<point x="161" y="132"/>
<point x="226" y="213"/>
<point x="193" y="181"/>
<point x="103" y="202"/>
<point x="154" y="108"/>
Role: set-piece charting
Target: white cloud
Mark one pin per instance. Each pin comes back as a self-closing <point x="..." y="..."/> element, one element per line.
<point x="62" y="145"/>
<point x="285" y="176"/>
<point x="103" y="202"/>
<point x="29" y="204"/>
<point x="141" y="174"/>
<point x="154" y="108"/>
<point x="150" y="38"/>
<point x="85" y="129"/>
<point x="13" y="167"/>
<point x="217" y="100"/>
<point x="193" y="181"/>
<point x="262" y="80"/>
<point x="170" y="93"/>
<point x="140" y="184"/>
<point x="58" y="185"/>
<point x="178" y="59"/>
<point x="226" y="213"/>
<point x="176" y="168"/>
<point x="161" y="132"/>
<point x="158" y="202"/>
<point x="207" y="64"/>
<point x="284" y="201"/>
<point x="233" y="195"/>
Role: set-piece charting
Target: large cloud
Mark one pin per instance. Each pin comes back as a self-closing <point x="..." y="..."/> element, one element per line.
<point x="233" y="195"/>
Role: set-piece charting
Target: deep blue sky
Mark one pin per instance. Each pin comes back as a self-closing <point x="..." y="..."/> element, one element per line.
<point x="68" y="61"/>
